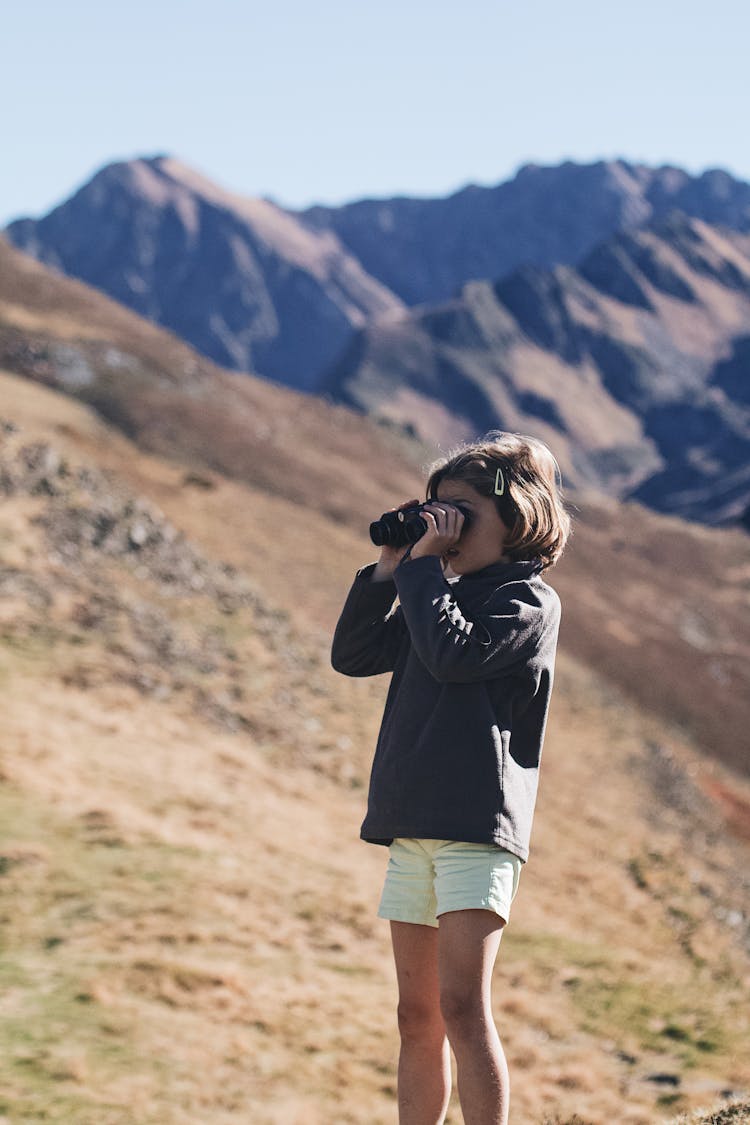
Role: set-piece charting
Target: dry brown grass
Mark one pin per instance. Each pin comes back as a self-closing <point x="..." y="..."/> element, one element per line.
<point x="662" y="608"/>
<point x="188" y="930"/>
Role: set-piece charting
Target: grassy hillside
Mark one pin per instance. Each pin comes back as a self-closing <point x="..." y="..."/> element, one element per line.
<point x="188" y="929"/>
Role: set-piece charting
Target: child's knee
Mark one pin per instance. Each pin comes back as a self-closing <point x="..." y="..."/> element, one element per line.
<point x="463" y="1011"/>
<point x="420" y="1019"/>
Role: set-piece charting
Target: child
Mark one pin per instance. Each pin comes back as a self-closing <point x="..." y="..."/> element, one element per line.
<point x="471" y="647"/>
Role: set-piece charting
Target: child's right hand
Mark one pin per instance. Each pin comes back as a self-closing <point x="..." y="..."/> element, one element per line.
<point x="390" y="557"/>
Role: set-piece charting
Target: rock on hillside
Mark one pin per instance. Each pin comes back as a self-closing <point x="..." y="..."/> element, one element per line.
<point x="634" y="366"/>
<point x="117" y="594"/>
<point x="425" y="249"/>
<point x="242" y="280"/>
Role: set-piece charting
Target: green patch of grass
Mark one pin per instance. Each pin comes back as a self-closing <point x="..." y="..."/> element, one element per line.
<point x="656" y="1015"/>
<point x="59" y="872"/>
<point x="669" y="1101"/>
<point x="637" y="872"/>
<point x="574" y="1120"/>
<point x="674" y="1031"/>
<point x="62" y="895"/>
<point x="60" y="1048"/>
<point x="707" y="1045"/>
<point x="641" y="1013"/>
<point x="547" y="952"/>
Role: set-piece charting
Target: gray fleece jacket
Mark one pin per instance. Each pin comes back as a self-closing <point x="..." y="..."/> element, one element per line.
<point x="461" y="738"/>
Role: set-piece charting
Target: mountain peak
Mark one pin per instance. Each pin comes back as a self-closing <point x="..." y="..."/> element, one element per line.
<point x="227" y="272"/>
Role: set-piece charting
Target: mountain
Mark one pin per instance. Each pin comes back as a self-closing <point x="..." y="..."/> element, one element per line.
<point x="258" y="287"/>
<point x="177" y="755"/>
<point x="425" y="249"/>
<point x="634" y="366"/>
<point x="603" y="307"/>
<point x="242" y="280"/>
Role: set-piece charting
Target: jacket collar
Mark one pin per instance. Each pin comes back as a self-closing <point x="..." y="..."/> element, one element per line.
<point x="500" y="572"/>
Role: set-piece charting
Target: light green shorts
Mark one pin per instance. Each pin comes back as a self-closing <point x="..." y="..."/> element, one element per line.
<point x="427" y="878"/>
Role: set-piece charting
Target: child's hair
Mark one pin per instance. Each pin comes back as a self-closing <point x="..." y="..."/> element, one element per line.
<point x="527" y="491"/>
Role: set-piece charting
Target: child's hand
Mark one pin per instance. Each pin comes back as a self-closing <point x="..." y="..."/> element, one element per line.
<point x="390" y="557"/>
<point x="444" y="525"/>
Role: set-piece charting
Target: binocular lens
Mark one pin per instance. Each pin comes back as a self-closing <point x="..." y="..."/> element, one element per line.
<point x="397" y="529"/>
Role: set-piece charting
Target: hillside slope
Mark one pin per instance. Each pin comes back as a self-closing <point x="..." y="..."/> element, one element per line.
<point x="176" y="748"/>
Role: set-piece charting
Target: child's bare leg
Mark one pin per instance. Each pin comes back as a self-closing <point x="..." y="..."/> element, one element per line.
<point x="468" y="942"/>
<point x="424" y="1074"/>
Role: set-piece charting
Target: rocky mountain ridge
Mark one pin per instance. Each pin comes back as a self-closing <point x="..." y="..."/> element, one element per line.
<point x="603" y="307"/>
<point x="632" y="365"/>
<point x="425" y="249"/>
<point x="258" y="287"/>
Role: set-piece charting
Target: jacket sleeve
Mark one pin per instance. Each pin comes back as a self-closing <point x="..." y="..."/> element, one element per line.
<point x="369" y="632"/>
<point x="457" y="650"/>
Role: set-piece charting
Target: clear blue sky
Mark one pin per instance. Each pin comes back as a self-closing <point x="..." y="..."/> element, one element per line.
<point x="328" y="100"/>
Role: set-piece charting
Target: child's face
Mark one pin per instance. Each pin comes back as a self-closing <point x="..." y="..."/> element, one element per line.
<point x="482" y="543"/>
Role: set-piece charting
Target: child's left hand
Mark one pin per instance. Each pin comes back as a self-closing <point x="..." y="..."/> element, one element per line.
<point x="444" y="526"/>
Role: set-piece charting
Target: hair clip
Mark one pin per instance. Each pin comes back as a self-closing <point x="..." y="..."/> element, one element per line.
<point x="499" y="483"/>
